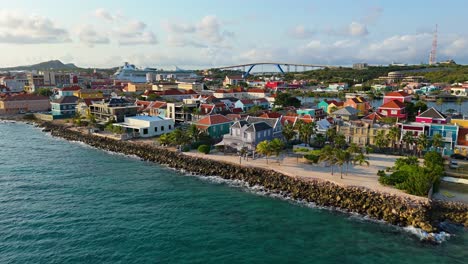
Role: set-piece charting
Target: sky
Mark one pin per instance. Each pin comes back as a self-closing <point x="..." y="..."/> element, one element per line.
<point x="202" y="34"/>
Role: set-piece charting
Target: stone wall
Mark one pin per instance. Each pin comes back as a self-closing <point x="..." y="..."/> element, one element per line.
<point x="393" y="209"/>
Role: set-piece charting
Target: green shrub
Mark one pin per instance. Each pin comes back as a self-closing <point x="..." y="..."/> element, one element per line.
<point x="381" y="173"/>
<point x="204" y="149"/>
<point x="312" y="158"/>
<point x="185" y="148"/>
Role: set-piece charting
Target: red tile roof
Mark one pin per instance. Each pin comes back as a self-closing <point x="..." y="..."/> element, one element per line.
<point x="398" y="94"/>
<point x="71" y="88"/>
<point x="256" y="90"/>
<point x="213" y="120"/>
<point x="288" y="119"/>
<point x="158" y="104"/>
<point x="393" y="104"/>
<point x="373" y="116"/>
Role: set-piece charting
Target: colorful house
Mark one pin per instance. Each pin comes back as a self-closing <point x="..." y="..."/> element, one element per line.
<point x="215" y="125"/>
<point x="346" y="113"/>
<point x="359" y="103"/>
<point x="317" y="113"/>
<point x="430" y="116"/>
<point x="394" y="108"/>
<point x="261" y="102"/>
<point x="88" y="93"/>
<point x="401" y="96"/>
<point x="243" y="134"/>
<point x="23" y="103"/>
<point x="449" y="135"/>
<point x="64" y="106"/>
<point x="244" y="104"/>
<point x="68" y="91"/>
<point x="329" y="105"/>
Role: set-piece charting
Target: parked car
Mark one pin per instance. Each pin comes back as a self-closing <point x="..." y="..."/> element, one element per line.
<point x="453" y="164"/>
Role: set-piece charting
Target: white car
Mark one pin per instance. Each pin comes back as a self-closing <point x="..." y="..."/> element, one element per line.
<point x="453" y="164"/>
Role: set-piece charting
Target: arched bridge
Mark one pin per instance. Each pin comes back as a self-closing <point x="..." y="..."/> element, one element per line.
<point x="247" y="68"/>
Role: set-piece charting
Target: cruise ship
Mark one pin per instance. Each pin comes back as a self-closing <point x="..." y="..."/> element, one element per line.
<point x="130" y="73"/>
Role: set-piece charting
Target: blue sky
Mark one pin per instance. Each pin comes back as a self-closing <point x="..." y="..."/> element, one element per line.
<point x="197" y="34"/>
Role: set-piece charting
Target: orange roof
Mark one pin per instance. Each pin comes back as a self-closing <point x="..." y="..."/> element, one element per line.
<point x="158" y="104"/>
<point x="288" y="119"/>
<point x="398" y="94"/>
<point x="25" y="97"/>
<point x="271" y="115"/>
<point x="393" y="104"/>
<point x="71" y="88"/>
<point x="256" y="90"/>
<point x="373" y="116"/>
<point x="213" y="120"/>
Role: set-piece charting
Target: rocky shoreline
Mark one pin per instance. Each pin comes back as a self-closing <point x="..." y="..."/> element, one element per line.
<point x="396" y="210"/>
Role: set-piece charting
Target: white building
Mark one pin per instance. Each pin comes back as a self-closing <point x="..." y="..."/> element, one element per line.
<point x="147" y="126"/>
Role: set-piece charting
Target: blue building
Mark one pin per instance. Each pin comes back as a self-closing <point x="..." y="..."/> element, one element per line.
<point x="64" y="106"/>
<point x="449" y="135"/>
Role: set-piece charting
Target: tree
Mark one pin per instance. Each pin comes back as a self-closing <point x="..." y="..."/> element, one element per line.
<point x="420" y="106"/>
<point x="276" y="146"/>
<point x="327" y="154"/>
<point x="165" y="139"/>
<point x="361" y="159"/>
<point x="319" y="140"/>
<point x="440" y="102"/>
<point x="180" y="137"/>
<point x="306" y="130"/>
<point x="421" y="143"/>
<point x="437" y="141"/>
<point x="205" y="149"/>
<point x="285" y="99"/>
<point x="264" y="149"/>
<point x="44" y="92"/>
<point x="193" y="132"/>
<point x="394" y="135"/>
<point x="341" y="157"/>
<point x="242" y="152"/>
<point x="255" y="109"/>
<point x="331" y="134"/>
<point x="408" y="139"/>
<point x="288" y="132"/>
<point x="153" y="97"/>
<point x="381" y="139"/>
<point x="339" y="141"/>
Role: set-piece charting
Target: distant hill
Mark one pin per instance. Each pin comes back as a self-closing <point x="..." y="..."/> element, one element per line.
<point x="47" y="65"/>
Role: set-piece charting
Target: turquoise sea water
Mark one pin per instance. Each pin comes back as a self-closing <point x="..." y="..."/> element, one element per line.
<point x="63" y="202"/>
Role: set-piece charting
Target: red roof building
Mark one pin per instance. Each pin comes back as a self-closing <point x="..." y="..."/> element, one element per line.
<point x="394" y="108"/>
<point x="399" y="96"/>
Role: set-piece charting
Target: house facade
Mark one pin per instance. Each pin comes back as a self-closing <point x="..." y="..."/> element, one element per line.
<point x="359" y="103"/>
<point x="214" y="125"/>
<point x="113" y="109"/>
<point x="394" y="108"/>
<point x="146" y="126"/>
<point x="24" y="103"/>
<point x="64" y="106"/>
<point x="401" y="96"/>
<point x="243" y="134"/>
<point x="430" y="116"/>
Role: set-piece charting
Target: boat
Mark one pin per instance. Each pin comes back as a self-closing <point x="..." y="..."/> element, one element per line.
<point x="130" y="73"/>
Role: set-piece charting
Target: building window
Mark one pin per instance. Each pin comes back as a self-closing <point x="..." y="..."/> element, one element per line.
<point x="394" y="112"/>
<point x="170" y="127"/>
<point x="162" y="128"/>
<point x="155" y="129"/>
<point x="145" y="131"/>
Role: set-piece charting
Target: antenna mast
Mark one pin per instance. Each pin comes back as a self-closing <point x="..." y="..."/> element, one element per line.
<point x="432" y="55"/>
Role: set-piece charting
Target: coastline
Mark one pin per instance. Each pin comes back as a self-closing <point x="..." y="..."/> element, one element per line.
<point x="393" y="209"/>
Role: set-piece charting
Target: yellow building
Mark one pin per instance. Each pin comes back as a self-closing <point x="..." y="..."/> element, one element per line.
<point x="164" y="86"/>
<point x="138" y="87"/>
<point x="190" y="86"/>
<point x="333" y="106"/>
<point x="460" y="122"/>
<point x="88" y="93"/>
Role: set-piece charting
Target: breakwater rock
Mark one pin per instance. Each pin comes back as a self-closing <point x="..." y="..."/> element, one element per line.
<point x="396" y="210"/>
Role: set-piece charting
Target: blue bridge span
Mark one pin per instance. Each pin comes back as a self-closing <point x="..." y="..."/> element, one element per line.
<point x="247" y="68"/>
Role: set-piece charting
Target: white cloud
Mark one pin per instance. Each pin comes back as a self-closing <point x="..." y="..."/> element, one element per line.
<point x="88" y="35"/>
<point x="373" y="14"/>
<point x="357" y="29"/>
<point x="178" y="27"/>
<point x="20" y="28"/>
<point x="134" y="33"/>
<point x="300" y="32"/>
<point x="104" y="14"/>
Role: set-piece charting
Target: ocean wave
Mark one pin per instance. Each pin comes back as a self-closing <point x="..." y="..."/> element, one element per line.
<point x="425" y="236"/>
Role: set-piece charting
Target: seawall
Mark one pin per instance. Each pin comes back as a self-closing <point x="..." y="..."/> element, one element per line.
<point x="396" y="210"/>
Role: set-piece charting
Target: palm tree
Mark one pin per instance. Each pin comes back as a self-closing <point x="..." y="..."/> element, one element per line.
<point x="193" y="132"/>
<point x="331" y="134"/>
<point x="459" y="102"/>
<point x="394" y="134"/>
<point x="421" y="143"/>
<point x="327" y="154"/>
<point x="306" y="130"/>
<point x="381" y="139"/>
<point x="348" y="157"/>
<point x="242" y="153"/>
<point x="408" y="139"/>
<point x="319" y="140"/>
<point x="340" y="140"/>
<point x="288" y="132"/>
<point x="264" y="149"/>
<point x="361" y="159"/>
<point x="164" y="139"/>
<point x="340" y="156"/>
<point x="276" y="146"/>
<point x="437" y="141"/>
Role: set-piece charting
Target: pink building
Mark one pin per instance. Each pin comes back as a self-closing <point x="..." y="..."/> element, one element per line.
<point x="24" y="103"/>
<point x="431" y="116"/>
